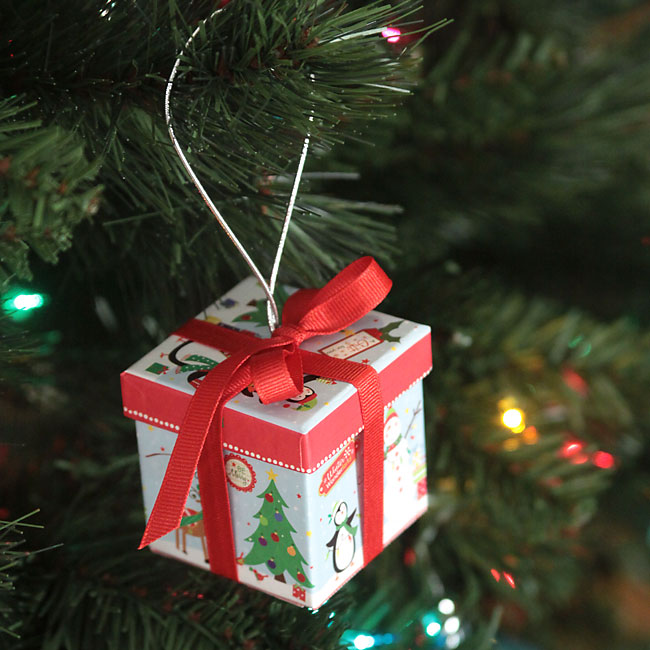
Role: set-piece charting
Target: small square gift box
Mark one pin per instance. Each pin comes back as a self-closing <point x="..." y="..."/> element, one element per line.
<point x="285" y="462"/>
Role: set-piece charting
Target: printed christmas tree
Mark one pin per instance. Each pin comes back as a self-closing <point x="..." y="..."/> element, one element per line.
<point x="259" y="315"/>
<point x="273" y="544"/>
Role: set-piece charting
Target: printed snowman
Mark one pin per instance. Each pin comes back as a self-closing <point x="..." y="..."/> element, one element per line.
<point x="343" y="542"/>
<point x="397" y="483"/>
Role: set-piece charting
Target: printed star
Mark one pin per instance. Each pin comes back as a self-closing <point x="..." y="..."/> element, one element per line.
<point x="348" y="332"/>
<point x="393" y="348"/>
<point x="272" y="475"/>
<point x="365" y="360"/>
<point x="308" y="533"/>
<point x="213" y="319"/>
<point x="299" y="496"/>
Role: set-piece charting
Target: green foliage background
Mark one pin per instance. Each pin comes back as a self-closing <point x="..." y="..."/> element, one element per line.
<point x="520" y="162"/>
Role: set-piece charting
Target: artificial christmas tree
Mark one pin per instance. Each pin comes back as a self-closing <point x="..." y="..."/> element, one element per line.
<point x="520" y="160"/>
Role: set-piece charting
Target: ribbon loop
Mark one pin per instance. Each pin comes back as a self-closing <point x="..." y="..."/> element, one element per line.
<point x="290" y="332"/>
<point x="277" y="374"/>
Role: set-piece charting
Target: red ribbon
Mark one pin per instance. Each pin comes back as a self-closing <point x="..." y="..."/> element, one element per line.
<point x="275" y="366"/>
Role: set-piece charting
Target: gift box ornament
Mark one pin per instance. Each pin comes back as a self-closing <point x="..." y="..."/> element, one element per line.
<point x="283" y="454"/>
<point x="285" y="462"/>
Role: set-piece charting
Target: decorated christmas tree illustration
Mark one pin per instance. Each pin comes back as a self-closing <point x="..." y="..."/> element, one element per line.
<point x="273" y="545"/>
<point x="259" y="314"/>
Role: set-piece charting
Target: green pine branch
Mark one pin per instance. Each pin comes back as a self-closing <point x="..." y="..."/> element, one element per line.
<point x="13" y="558"/>
<point x="46" y="189"/>
<point x="242" y="106"/>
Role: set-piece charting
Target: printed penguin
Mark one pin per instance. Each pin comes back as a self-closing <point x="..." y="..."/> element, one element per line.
<point x="306" y="399"/>
<point x="343" y="541"/>
<point x="302" y="402"/>
<point x="198" y="368"/>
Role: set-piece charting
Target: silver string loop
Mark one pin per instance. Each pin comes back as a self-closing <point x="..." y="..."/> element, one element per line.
<point x="272" y="308"/>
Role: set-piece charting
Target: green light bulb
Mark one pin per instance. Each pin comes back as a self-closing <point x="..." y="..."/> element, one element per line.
<point x="27" y="301"/>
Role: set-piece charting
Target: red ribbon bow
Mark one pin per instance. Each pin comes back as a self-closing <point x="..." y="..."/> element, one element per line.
<point x="275" y="366"/>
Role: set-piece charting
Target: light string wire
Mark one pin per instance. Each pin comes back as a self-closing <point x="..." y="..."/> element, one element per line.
<point x="272" y="308"/>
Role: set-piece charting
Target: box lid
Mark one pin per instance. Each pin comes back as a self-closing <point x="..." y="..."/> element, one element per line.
<point x="157" y="388"/>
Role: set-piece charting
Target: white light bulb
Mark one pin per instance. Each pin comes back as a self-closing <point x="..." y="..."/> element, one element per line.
<point x="433" y="628"/>
<point x="452" y="625"/>
<point x="27" y="301"/>
<point x="446" y="606"/>
<point x="513" y="418"/>
<point x="364" y="641"/>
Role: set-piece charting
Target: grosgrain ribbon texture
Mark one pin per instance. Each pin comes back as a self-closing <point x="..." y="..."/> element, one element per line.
<point x="275" y="366"/>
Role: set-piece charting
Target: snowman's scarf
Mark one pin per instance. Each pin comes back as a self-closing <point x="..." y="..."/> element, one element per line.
<point x="391" y="447"/>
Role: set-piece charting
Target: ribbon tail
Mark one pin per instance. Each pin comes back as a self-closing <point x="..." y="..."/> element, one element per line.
<point x="205" y="404"/>
<point x="366" y="380"/>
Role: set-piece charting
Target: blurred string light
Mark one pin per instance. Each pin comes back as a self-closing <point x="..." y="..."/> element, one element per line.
<point x="574" y="451"/>
<point x="512" y="417"/>
<point x="446" y="606"/>
<point x="431" y="624"/>
<point x="441" y="626"/>
<point x="603" y="460"/>
<point x="514" y="420"/>
<point x="451" y="625"/>
<point x="19" y="304"/>
<point x="358" y="640"/>
<point x="363" y="641"/>
<point x="575" y="382"/>
<point x="507" y="577"/>
<point x="579" y="341"/>
<point x="392" y="34"/>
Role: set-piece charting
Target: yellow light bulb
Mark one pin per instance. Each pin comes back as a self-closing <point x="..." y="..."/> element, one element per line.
<point x="513" y="418"/>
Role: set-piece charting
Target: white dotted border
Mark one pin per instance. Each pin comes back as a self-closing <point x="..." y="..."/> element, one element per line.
<point x="148" y="418"/>
<point x="305" y="470"/>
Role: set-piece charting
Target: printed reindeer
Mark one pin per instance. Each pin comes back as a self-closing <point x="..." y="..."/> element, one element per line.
<point x="192" y="524"/>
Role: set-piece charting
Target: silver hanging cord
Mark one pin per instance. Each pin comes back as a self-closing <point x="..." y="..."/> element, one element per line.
<point x="272" y="308"/>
